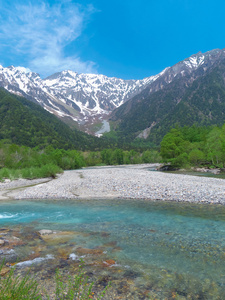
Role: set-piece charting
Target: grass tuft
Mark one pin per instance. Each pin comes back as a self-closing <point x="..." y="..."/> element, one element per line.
<point x="70" y="288"/>
<point x="14" y="288"/>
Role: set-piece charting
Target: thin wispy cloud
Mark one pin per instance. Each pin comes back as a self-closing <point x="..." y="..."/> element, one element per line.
<point x="41" y="32"/>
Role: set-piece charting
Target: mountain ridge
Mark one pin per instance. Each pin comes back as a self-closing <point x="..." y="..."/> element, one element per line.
<point x="69" y="94"/>
<point x="26" y="123"/>
<point x="86" y="99"/>
<point x="198" y="97"/>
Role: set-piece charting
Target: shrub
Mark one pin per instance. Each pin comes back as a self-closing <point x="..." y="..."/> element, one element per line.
<point x="49" y="170"/>
<point x="26" y="173"/>
<point x="4" y="173"/>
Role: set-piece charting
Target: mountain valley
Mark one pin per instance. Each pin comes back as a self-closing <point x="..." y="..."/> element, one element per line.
<point x="192" y="91"/>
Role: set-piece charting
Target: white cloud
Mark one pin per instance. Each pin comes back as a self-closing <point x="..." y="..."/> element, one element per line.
<point x="42" y="31"/>
<point x="25" y="70"/>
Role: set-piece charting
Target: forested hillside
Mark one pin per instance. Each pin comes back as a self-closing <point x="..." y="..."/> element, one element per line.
<point x="25" y="123"/>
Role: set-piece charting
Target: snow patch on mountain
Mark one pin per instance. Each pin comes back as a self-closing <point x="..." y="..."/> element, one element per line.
<point x="84" y="97"/>
<point x="194" y="62"/>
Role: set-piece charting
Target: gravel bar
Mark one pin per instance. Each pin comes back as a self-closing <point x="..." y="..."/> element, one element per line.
<point x="127" y="182"/>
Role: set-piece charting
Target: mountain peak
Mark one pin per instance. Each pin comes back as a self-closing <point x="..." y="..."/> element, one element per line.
<point x="194" y="95"/>
<point x="86" y="98"/>
<point x="69" y="73"/>
<point x="23" y="70"/>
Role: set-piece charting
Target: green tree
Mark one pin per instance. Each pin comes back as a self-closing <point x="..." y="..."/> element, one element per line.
<point x="151" y="156"/>
<point x="196" y="157"/>
<point x="222" y="139"/>
<point x="106" y="156"/>
<point x="214" y="146"/>
<point x="117" y="157"/>
<point x="173" y="148"/>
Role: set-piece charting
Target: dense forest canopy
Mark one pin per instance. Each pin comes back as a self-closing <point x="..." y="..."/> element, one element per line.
<point x="184" y="146"/>
<point x="26" y="123"/>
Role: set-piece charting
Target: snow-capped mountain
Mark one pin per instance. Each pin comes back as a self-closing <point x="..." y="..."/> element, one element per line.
<point x="69" y="94"/>
<point x="93" y="94"/>
<point x="194" y="95"/>
<point x="85" y="97"/>
<point x="187" y="68"/>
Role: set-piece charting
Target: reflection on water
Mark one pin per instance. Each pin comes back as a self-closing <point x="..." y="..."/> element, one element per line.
<point x="165" y="248"/>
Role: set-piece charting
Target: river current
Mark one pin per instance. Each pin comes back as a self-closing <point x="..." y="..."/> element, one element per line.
<point x="169" y="249"/>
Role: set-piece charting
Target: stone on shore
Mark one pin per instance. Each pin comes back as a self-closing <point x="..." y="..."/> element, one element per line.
<point x="126" y="182"/>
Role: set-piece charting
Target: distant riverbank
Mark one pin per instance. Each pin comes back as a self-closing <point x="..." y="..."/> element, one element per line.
<point x="125" y="182"/>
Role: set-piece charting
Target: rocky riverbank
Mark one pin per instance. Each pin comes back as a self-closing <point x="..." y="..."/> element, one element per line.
<point x="127" y="182"/>
<point x="42" y="252"/>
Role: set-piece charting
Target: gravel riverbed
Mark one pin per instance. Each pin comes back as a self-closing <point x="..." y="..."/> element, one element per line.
<point x="128" y="182"/>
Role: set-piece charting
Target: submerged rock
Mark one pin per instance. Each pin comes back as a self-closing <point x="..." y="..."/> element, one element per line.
<point x="64" y="253"/>
<point x="45" y="231"/>
<point x="85" y="251"/>
<point x="109" y="262"/>
<point x="36" y="260"/>
<point x="59" y="237"/>
<point x="14" y="241"/>
<point x="4" y="271"/>
<point x="4" y="231"/>
<point x="111" y="244"/>
<point x="73" y="256"/>
<point x="2" y="242"/>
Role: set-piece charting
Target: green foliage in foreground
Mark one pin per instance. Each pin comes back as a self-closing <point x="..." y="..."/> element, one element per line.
<point x="77" y="287"/>
<point x="194" y="146"/>
<point x="16" y="288"/>
<point x="49" y="170"/>
<point x="24" y="162"/>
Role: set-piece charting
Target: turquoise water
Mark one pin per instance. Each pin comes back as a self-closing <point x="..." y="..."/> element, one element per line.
<point x="171" y="246"/>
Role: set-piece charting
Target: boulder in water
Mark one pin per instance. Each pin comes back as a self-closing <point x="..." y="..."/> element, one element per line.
<point x="45" y="231"/>
<point x="2" y="242"/>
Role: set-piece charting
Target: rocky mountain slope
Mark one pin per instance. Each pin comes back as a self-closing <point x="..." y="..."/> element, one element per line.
<point x="85" y="99"/>
<point x="195" y="95"/>
<point x="80" y="97"/>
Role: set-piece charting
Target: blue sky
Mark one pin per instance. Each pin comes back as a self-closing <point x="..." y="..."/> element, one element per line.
<point x="129" y="39"/>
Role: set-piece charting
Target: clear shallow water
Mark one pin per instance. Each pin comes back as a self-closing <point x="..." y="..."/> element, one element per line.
<point x="172" y="246"/>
